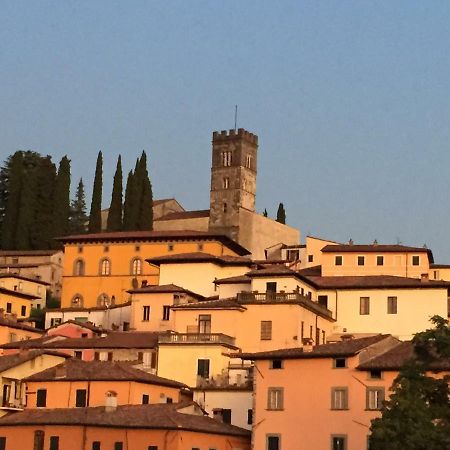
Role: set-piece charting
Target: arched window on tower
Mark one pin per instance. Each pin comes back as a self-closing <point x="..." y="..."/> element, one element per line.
<point x="136" y="266"/>
<point x="227" y="159"/>
<point x="78" y="267"/>
<point x="105" y="267"/>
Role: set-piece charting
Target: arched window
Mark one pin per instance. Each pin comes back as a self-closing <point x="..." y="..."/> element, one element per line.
<point x="77" y="301"/>
<point x="103" y="300"/>
<point x="105" y="267"/>
<point x="136" y="266"/>
<point x="78" y="267"/>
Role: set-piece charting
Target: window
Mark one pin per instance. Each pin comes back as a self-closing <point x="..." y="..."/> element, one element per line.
<point x="338" y="260"/>
<point x="105" y="267"/>
<point x="271" y="286"/>
<point x="204" y="323"/>
<point x="226" y="159"/>
<point x="20" y="285"/>
<point x="169" y="400"/>
<point x="380" y="260"/>
<point x="276" y="364"/>
<point x="78" y="355"/>
<point x="54" y="442"/>
<point x="136" y="266"/>
<point x="266" y="330"/>
<point x="106" y="248"/>
<point x="248" y="161"/>
<point x="170" y="247"/>
<point x="340" y="363"/>
<point x="225" y="207"/>
<point x="226" y="416"/>
<point x="226" y="183"/>
<point x="145" y="399"/>
<point x="39" y="290"/>
<point x="110" y="356"/>
<point x="375" y="374"/>
<point x="12" y="337"/>
<point x="392" y="305"/>
<point x="152" y="447"/>
<point x="364" y="306"/>
<point x="96" y="445"/>
<point x="39" y="437"/>
<point x="374" y="398"/>
<point x="203" y="368"/>
<point x="249" y="416"/>
<point x="339" y="398"/>
<point x="302" y="331"/>
<point x="338" y="442"/>
<point x="323" y="300"/>
<point x="41" y="398"/>
<point x="8" y="307"/>
<point x="275" y="398"/>
<point x="166" y="312"/>
<point x="104" y="300"/>
<point x="77" y="301"/>
<point x="78" y="268"/>
<point x="146" y="313"/>
<point x="137" y="248"/>
<point x="80" y="401"/>
<point x="118" y="445"/>
<point x="415" y="260"/>
<point x="80" y="249"/>
<point x="23" y="311"/>
<point x="273" y="442"/>
<point x="361" y="260"/>
<point x="3" y="443"/>
<point x="310" y="258"/>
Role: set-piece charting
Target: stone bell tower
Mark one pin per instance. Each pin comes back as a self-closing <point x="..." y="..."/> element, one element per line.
<point x="233" y="179"/>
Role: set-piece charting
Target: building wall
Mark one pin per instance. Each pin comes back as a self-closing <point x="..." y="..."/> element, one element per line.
<point x="231" y="290"/>
<point x="195" y="224"/>
<point x="16" y="304"/>
<point x="396" y="264"/>
<point x="70" y="330"/>
<point x="313" y="249"/>
<point x="10" y="334"/>
<point x="62" y="394"/>
<point x="440" y="273"/>
<point x="156" y="321"/>
<point x="26" y="287"/>
<point x="92" y="284"/>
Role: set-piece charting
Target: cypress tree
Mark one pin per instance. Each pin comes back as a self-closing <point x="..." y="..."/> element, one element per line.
<point x="61" y="202"/>
<point x="130" y="204"/>
<point x="95" y="216"/>
<point x="115" y="209"/>
<point x="265" y="212"/>
<point x="78" y="217"/>
<point x="145" y="196"/>
<point x="281" y="214"/>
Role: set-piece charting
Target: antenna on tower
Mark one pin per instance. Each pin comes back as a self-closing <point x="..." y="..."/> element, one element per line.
<point x="235" y="117"/>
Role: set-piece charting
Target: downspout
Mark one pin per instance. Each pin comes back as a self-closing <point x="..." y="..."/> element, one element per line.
<point x="84" y="438"/>
<point x="88" y="394"/>
<point x="406" y="266"/>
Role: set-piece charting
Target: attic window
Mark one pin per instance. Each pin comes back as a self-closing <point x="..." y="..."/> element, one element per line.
<point x="340" y="363"/>
<point x="375" y="374"/>
<point x="276" y="364"/>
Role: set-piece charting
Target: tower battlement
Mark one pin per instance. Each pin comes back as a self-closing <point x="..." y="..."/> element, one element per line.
<point x="225" y="135"/>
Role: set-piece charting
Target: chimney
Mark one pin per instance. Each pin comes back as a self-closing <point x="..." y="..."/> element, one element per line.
<point x="424" y="277"/>
<point x="111" y="401"/>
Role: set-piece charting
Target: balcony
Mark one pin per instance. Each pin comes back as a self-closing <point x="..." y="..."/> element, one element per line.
<point x="282" y="297"/>
<point x="196" y="338"/>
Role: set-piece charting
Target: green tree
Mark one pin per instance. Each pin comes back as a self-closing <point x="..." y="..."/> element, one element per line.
<point x="130" y="207"/>
<point x="95" y="216"/>
<point x="144" y="195"/>
<point x="78" y="217"/>
<point x="281" y="214"/>
<point x="115" y="209"/>
<point x="61" y="201"/>
<point x="417" y="415"/>
<point x="265" y="212"/>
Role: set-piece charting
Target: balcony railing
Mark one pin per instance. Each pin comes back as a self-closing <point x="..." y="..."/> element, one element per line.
<point x="196" y="338"/>
<point x="273" y="297"/>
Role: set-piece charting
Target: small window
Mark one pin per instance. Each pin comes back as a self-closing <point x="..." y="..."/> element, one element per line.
<point x="3" y="443"/>
<point x="8" y="307"/>
<point x="266" y="330"/>
<point x="78" y="354"/>
<point x="380" y="260"/>
<point x="54" y="443"/>
<point x="340" y="363"/>
<point x="118" y="445"/>
<point x="152" y="447"/>
<point x="227" y="159"/>
<point x="145" y="399"/>
<point x="170" y="247"/>
<point x="375" y="374"/>
<point x="76" y="301"/>
<point x="166" y="312"/>
<point x="392" y="305"/>
<point x="137" y="248"/>
<point x="416" y="260"/>
<point x="146" y="313"/>
<point x="105" y="267"/>
<point x="226" y="183"/>
<point x="276" y="364"/>
<point x="249" y="416"/>
<point x="78" y="268"/>
<point x="41" y="398"/>
<point x="203" y="368"/>
<point x="200" y="247"/>
<point x="106" y="248"/>
<point x="364" y="306"/>
<point x="136" y="266"/>
<point x="80" y="401"/>
<point x="248" y="161"/>
<point x="275" y="398"/>
<point x="310" y="258"/>
<point x="39" y="437"/>
<point x="374" y="398"/>
<point x="226" y="416"/>
<point x="338" y="442"/>
<point x="338" y="260"/>
<point x="225" y="207"/>
<point x="361" y="261"/>
<point x="323" y="300"/>
<point x="273" y="442"/>
<point x="80" y="249"/>
<point x="339" y="398"/>
<point x="169" y="400"/>
<point x="271" y="286"/>
<point x="96" y="445"/>
<point x="23" y="310"/>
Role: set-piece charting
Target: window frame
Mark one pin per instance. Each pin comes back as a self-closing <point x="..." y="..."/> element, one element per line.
<point x="361" y="260"/>
<point x="105" y="267"/>
<point x="380" y="260"/>
<point x="41" y="402"/>
<point x="276" y="436"/>
<point x="275" y="398"/>
<point x="339" y="436"/>
<point x="340" y="404"/>
<point x="266" y="330"/>
<point x="392" y="304"/>
<point x="338" y="260"/>
<point x="146" y="311"/>
<point x="81" y="398"/>
<point x="379" y="398"/>
<point x="415" y="260"/>
<point x="136" y="266"/>
<point x="364" y="306"/>
<point x="54" y="443"/>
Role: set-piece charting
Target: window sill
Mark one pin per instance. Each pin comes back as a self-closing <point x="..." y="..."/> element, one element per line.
<point x="340" y="409"/>
<point x="274" y="409"/>
<point x="373" y="409"/>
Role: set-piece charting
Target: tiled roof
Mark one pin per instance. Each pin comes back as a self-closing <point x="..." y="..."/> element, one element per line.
<point x="87" y="325"/>
<point x="199" y="257"/>
<point x="5" y="322"/>
<point x="155" y="236"/>
<point x="78" y="370"/>
<point x="9" y="361"/>
<point x="347" y="347"/>
<point x="440" y="266"/>
<point x="21" y="277"/>
<point x="394" y="358"/>
<point x="17" y="294"/>
<point x="241" y="279"/>
<point x="275" y="270"/>
<point x="223" y="303"/>
<point x="93" y="308"/>
<point x="163" y="289"/>
<point x="28" y="252"/>
<point x="311" y="271"/>
<point x="18" y="266"/>
<point x="156" y="416"/>
<point x="180" y="215"/>
<point x="372" y="282"/>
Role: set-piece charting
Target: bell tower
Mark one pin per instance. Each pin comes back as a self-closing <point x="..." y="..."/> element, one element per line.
<point x="233" y="179"/>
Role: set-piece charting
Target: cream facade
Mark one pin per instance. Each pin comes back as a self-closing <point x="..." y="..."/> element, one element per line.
<point x="34" y="287"/>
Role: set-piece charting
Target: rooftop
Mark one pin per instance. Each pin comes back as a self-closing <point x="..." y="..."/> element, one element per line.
<point x="200" y="257"/>
<point x="180" y="215"/>
<point x="21" y="277"/>
<point x="10" y="361"/>
<point x="28" y="252"/>
<point x="6" y="322"/>
<point x="241" y="279"/>
<point x="164" y="289"/>
<point x="223" y="303"/>
<point x="17" y="294"/>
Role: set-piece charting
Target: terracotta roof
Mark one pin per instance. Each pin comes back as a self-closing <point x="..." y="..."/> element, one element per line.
<point x="440" y="266"/>
<point x="93" y="308"/>
<point x="223" y="303"/>
<point x="163" y="200"/>
<point x="28" y="252"/>
<point x="348" y="347"/>
<point x="168" y="416"/>
<point x="311" y="271"/>
<point x="78" y="370"/>
<point x="18" y="294"/>
<point x="21" y="277"/>
<point x="9" y="361"/>
<point x="18" y="266"/>
<point x="200" y="257"/>
<point x="88" y="325"/>
<point x="163" y="289"/>
<point x="372" y="282"/>
<point x="5" y="322"/>
<point x="321" y="239"/>
<point x="113" y="340"/>
<point x="275" y="270"/>
<point x="241" y="279"/>
<point x="376" y="248"/>
<point x="180" y="215"/>
<point x="394" y="358"/>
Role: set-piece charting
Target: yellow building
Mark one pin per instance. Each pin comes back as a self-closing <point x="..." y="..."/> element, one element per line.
<point x="16" y="303"/>
<point x="13" y="331"/>
<point x="100" y="268"/>
<point x="26" y="285"/>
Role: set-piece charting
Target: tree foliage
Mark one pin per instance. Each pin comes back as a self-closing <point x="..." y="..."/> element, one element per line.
<point x="281" y="214"/>
<point x="95" y="215"/>
<point x="61" y="201"/>
<point x="78" y="218"/>
<point x="417" y="415"/>
<point x="115" y="210"/>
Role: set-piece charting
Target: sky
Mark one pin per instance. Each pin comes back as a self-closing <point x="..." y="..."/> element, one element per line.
<point x="350" y="101"/>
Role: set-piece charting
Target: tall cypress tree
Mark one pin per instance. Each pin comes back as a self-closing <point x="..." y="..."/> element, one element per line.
<point x="130" y="204"/>
<point x="78" y="217"/>
<point x="145" y="196"/>
<point x="95" y="216"/>
<point x="115" y="209"/>
<point x="281" y="214"/>
<point x="61" y="202"/>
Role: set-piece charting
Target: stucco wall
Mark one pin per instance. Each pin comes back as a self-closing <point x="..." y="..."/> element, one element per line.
<point x="195" y="224"/>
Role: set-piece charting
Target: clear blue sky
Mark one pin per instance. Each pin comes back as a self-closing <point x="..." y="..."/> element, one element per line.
<point x="349" y="99"/>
